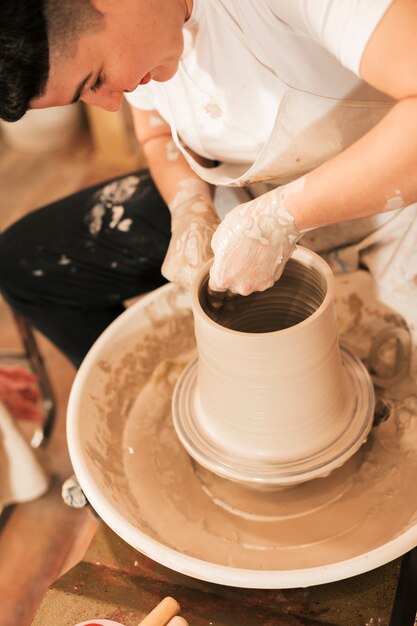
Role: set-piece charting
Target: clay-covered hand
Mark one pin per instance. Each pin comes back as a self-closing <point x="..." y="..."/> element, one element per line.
<point x="252" y="245"/>
<point x="193" y="222"/>
<point x="177" y="621"/>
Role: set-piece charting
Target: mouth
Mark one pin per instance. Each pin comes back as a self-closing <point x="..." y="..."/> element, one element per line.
<point x="145" y="79"/>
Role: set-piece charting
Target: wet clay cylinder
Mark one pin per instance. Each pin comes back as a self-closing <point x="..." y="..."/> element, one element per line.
<point x="270" y="383"/>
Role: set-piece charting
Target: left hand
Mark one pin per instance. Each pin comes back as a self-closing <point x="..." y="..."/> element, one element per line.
<point x="252" y="245"/>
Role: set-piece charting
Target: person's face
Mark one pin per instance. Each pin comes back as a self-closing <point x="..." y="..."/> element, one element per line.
<point x="139" y="41"/>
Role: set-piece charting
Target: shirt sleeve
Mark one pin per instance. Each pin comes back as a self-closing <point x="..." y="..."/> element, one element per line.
<point x="343" y="27"/>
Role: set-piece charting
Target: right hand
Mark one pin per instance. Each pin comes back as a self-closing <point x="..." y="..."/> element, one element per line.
<point x="193" y="225"/>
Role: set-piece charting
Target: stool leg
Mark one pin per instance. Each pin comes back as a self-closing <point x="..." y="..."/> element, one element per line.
<point x="43" y="431"/>
<point x="405" y="602"/>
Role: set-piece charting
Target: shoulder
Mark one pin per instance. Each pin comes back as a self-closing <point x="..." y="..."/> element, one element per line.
<point x="342" y="27"/>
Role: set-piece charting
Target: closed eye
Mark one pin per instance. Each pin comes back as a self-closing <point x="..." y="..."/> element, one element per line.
<point x="98" y="84"/>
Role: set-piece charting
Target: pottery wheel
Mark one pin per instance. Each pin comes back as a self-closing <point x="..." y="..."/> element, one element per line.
<point x="146" y="487"/>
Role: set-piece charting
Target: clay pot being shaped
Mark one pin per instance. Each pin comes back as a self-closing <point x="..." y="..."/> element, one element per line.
<point x="272" y="399"/>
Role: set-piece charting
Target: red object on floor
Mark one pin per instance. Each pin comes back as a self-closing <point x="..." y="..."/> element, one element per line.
<point x="20" y="393"/>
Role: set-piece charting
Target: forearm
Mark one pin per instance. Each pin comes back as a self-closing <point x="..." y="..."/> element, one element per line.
<point x="193" y="217"/>
<point x="377" y="173"/>
<point x="169" y="169"/>
<point x="189" y="199"/>
<point x="171" y="172"/>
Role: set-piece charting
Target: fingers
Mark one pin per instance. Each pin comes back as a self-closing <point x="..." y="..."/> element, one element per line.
<point x="215" y="299"/>
<point x="189" y="248"/>
<point x="251" y="255"/>
<point x="178" y="621"/>
<point x="240" y="268"/>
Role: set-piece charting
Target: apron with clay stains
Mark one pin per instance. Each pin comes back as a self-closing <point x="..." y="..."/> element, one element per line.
<point x="309" y="129"/>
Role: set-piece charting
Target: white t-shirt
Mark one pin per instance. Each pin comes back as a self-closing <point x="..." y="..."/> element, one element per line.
<point x="241" y="56"/>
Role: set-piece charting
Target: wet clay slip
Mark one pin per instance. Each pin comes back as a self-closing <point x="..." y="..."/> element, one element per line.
<point x="272" y="398"/>
<point x="139" y="478"/>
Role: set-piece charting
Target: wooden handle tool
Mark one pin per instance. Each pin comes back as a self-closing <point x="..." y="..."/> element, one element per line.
<point x="162" y="613"/>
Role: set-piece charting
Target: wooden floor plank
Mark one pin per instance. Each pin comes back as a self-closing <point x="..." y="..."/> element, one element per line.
<point x="34" y="546"/>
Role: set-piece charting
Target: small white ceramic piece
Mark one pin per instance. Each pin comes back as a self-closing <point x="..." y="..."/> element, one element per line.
<point x="271" y="401"/>
<point x="22" y="477"/>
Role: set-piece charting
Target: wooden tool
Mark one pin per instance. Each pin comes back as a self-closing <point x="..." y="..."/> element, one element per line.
<point x="162" y="613"/>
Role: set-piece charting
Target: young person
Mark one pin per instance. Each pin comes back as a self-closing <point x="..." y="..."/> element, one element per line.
<point x="302" y="112"/>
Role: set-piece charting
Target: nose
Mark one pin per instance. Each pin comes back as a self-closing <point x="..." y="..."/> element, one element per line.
<point x="109" y="101"/>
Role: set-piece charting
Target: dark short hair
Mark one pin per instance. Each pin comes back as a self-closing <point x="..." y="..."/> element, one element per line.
<point x="24" y="55"/>
<point x="31" y="32"/>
